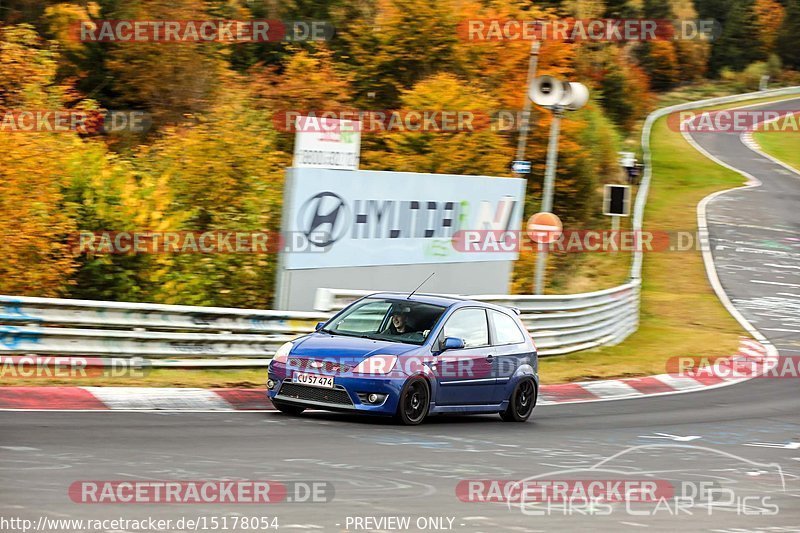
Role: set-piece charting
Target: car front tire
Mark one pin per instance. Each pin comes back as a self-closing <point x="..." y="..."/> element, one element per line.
<point x="415" y="400"/>
<point x="521" y="402"/>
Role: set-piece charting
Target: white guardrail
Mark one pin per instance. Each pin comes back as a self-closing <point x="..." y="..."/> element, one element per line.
<point x="222" y="337"/>
<point x="559" y="324"/>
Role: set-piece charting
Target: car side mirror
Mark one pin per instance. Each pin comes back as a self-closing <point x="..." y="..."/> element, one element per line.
<point x="453" y="343"/>
<point x="319" y="326"/>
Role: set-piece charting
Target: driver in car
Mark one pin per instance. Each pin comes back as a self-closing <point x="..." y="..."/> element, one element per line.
<point x="398" y="325"/>
<point x="401" y="325"/>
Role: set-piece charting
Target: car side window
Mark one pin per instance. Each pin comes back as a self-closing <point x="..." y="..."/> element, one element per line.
<point x="468" y="324"/>
<point x="506" y="330"/>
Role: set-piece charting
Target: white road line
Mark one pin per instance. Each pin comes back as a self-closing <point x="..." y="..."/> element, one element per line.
<point x="793" y="285"/>
<point x="160" y="398"/>
<point x="781" y="266"/>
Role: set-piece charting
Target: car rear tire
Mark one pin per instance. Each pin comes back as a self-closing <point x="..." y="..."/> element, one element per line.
<point x="522" y="402"/>
<point x="415" y="400"/>
<point x="287" y="408"/>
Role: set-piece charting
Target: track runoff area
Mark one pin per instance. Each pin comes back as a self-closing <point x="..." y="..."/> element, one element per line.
<point x="722" y="459"/>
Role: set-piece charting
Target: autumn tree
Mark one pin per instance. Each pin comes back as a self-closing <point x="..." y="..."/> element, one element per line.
<point x="624" y="90"/>
<point x="221" y="174"/>
<point x="172" y="81"/>
<point x="474" y="148"/>
<point x="769" y="18"/>
<point x="35" y="225"/>
<point x="309" y="81"/>
<point x="396" y="45"/>
<point x="737" y="45"/>
<point x="786" y="41"/>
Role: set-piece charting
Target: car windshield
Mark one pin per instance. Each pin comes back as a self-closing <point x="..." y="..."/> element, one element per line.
<point x="403" y="321"/>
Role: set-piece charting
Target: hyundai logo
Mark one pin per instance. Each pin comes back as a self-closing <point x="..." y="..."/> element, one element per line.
<point x="323" y="218"/>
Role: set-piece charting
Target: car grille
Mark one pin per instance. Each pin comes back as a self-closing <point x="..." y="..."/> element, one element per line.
<point x="327" y="366"/>
<point x="314" y="394"/>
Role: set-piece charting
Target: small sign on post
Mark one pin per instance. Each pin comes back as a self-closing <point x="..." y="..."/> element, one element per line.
<point x="327" y="143"/>
<point x="521" y="167"/>
<point x="616" y="203"/>
<point x="616" y="200"/>
<point x="544" y="227"/>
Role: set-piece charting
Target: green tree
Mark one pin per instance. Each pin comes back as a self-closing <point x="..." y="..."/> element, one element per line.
<point x="400" y="43"/>
<point x="786" y="42"/>
<point x="735" y="48"/>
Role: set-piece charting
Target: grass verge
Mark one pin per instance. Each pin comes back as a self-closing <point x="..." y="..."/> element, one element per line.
<point x="783" y="145"/>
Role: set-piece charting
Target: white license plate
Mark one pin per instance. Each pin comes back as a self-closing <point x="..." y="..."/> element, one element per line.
<point x="315" y="380"/>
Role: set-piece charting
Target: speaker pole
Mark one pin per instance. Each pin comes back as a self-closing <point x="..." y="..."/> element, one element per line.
<point x="547" y="194"/>
<point x="522" y="141"/>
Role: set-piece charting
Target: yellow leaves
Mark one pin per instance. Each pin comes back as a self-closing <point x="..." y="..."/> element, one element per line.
<point x="34" y="226"/>
<point x="60" y="17"/>
<point x="27" y="67"/>
<point x="769" y="17"/>
<point x="459" y="151"/>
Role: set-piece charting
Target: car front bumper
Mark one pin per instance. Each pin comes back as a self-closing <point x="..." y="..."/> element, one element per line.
<point x="348" y="393"/>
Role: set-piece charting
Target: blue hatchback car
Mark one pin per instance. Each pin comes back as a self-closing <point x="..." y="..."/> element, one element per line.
<point x="408" y="357"/>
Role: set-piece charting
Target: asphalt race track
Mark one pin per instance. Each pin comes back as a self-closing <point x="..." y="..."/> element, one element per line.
<point x="743" y="438"/>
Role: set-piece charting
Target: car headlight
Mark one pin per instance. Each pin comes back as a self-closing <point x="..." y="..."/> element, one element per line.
<point x="282" y="354"/>
<point x="376" y="365"/>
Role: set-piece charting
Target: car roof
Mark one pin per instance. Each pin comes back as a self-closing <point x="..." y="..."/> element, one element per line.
<point x="434" y="299"/>
<point x="443" y="300"/>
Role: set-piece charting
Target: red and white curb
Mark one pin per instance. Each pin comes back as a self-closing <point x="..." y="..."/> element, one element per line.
<point x="193" y="399"/>
<point x="722" y="373"/>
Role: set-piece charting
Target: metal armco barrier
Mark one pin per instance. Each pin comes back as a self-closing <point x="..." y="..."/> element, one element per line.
<point x="559" y="324"/>
<point x="94" y="328"/>
<point x="213" y="336"/>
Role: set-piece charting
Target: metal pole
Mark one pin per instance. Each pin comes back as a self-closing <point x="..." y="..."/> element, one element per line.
<point x="614" y="231"/>
<point x="547" y="194"/>
<point x="522" y="141"/>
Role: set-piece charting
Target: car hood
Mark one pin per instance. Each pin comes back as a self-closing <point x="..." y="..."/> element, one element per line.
<point x="350" y="349"/>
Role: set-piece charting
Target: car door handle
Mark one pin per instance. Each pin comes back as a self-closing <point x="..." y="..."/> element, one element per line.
<point x="489" y="357"/>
